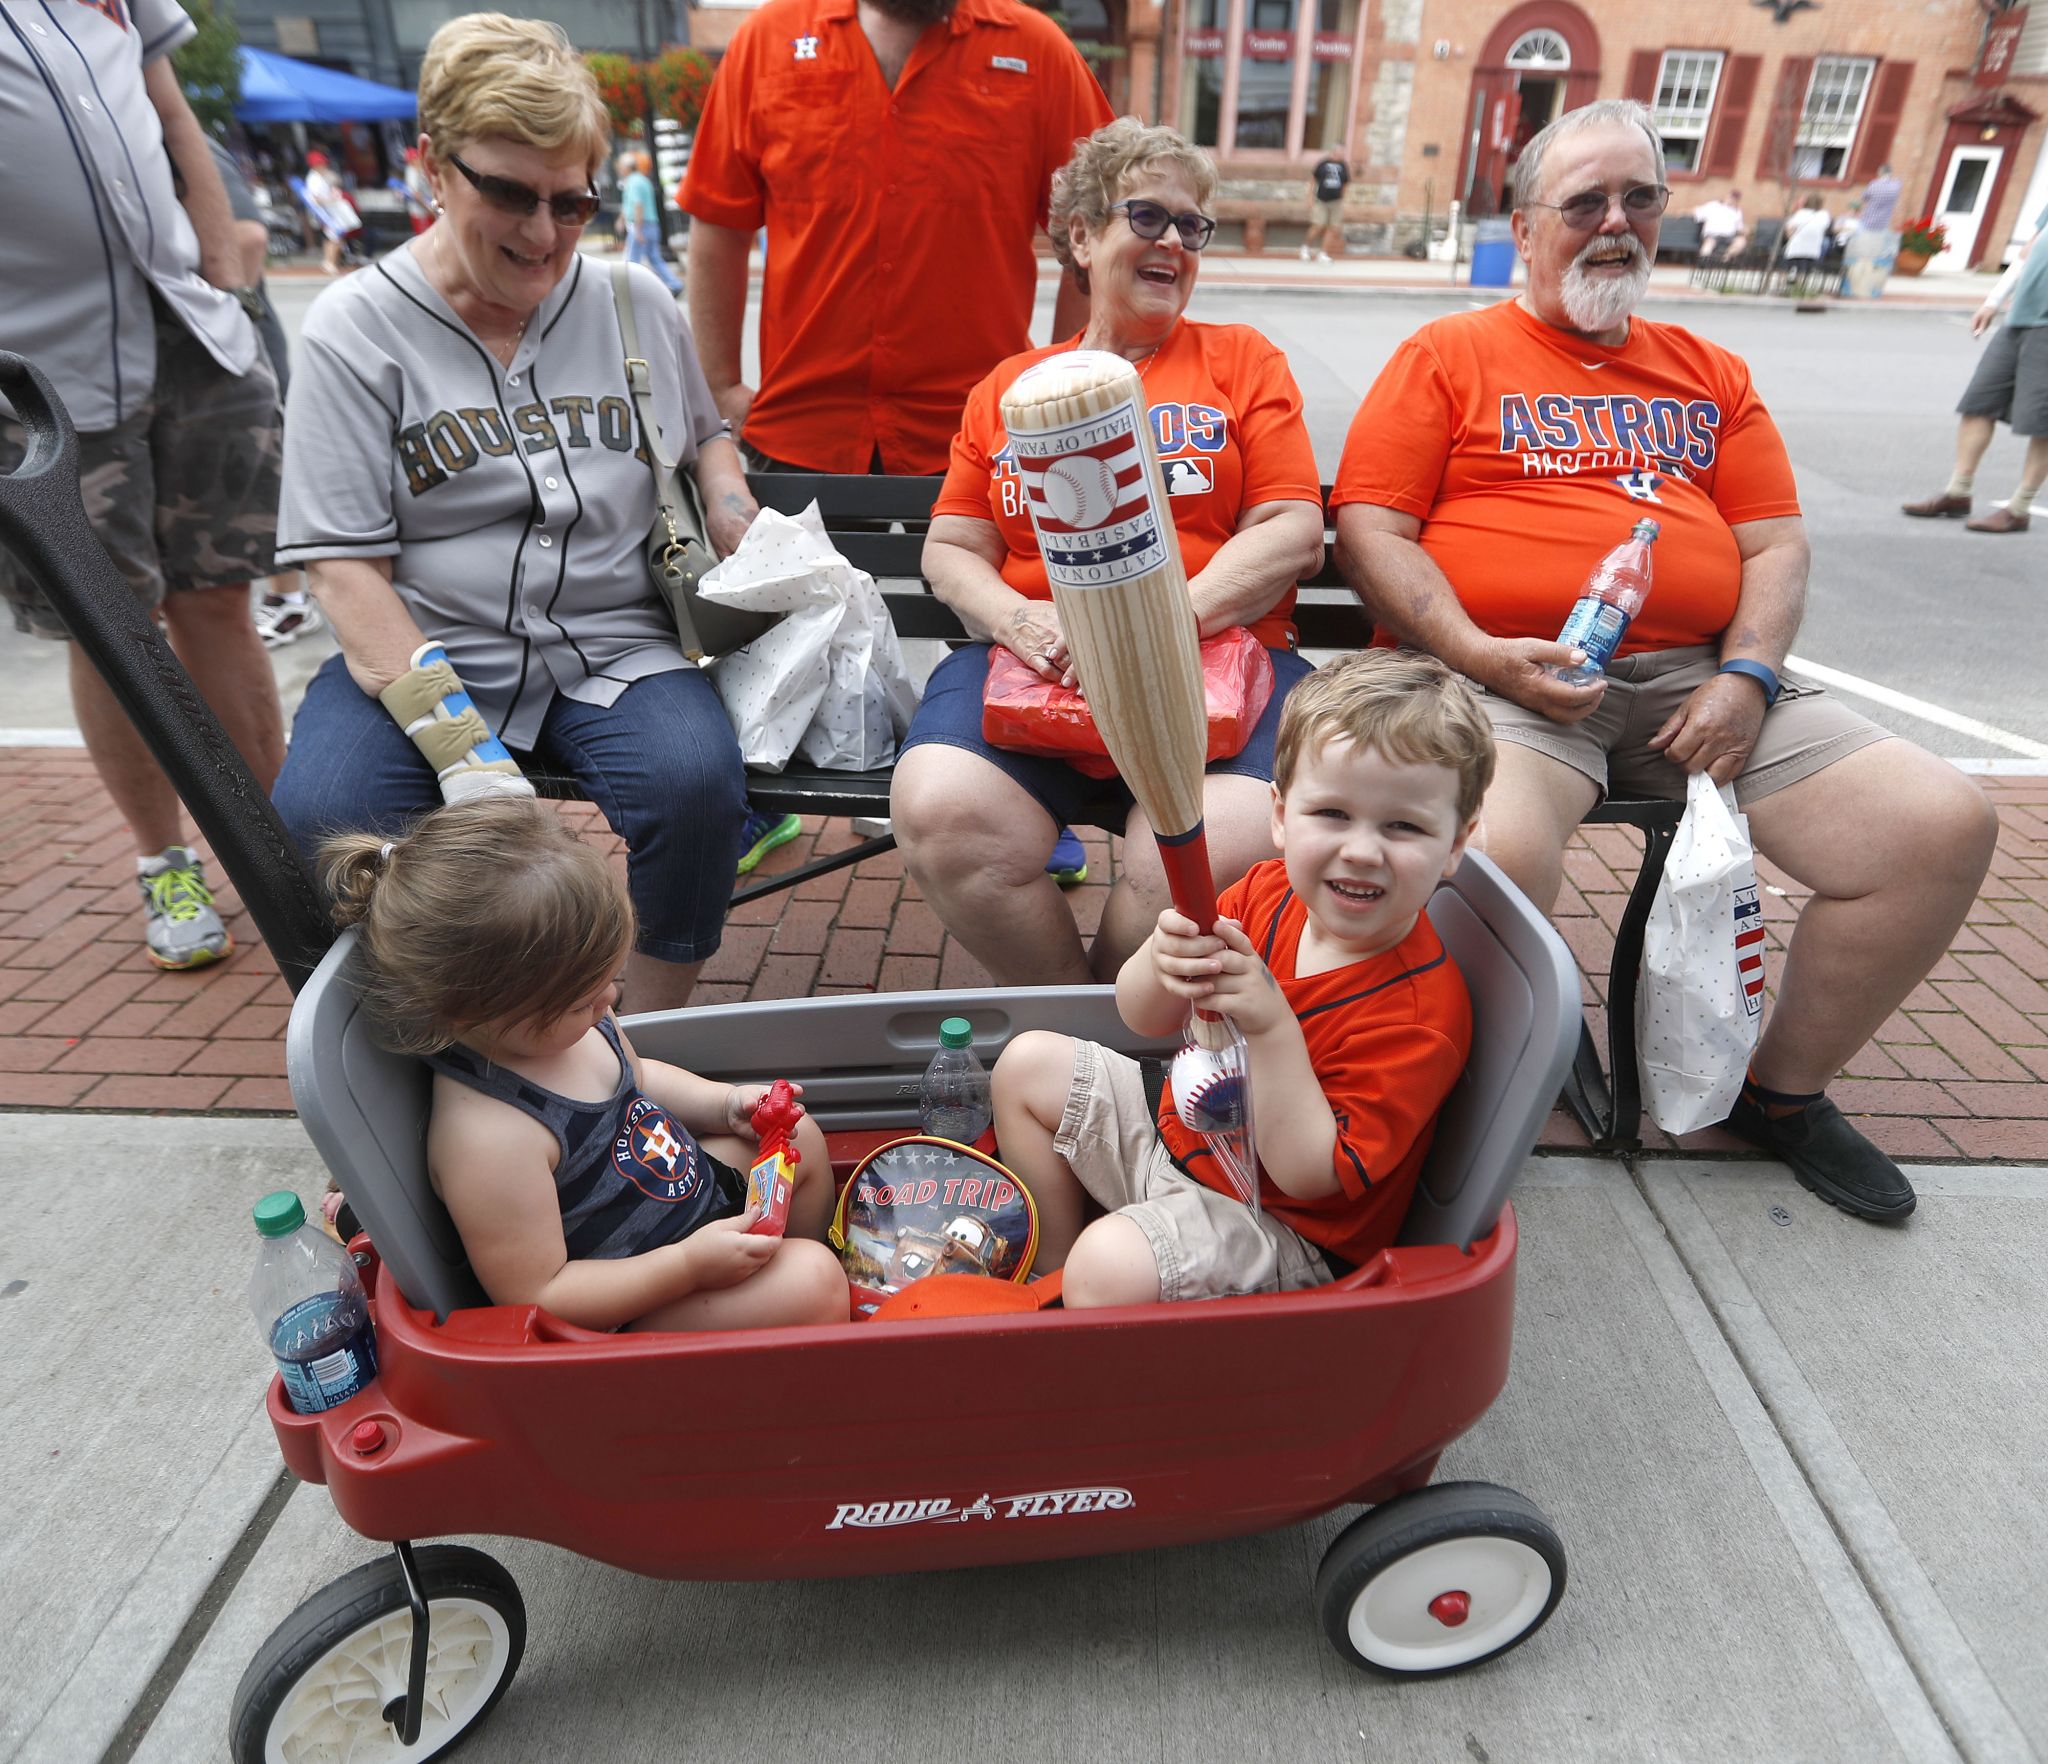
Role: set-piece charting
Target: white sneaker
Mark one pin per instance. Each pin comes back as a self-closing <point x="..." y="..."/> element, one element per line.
<point x="1324" y="257"/>
<point x="281" y="620"/>
<point x="1306" y="254"/>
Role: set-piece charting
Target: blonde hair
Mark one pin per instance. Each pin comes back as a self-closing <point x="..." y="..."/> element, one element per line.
<point x="489" y="75"/>
<point x="1105" y="166"/>
<point x="1398" y="702"/>
<point x="489" y="911"/>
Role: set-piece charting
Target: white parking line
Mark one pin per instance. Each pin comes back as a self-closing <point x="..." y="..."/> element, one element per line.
<point x="1919" y="707"/>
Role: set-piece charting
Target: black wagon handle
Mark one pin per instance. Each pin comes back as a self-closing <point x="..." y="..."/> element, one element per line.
<point x="43" y="521"/>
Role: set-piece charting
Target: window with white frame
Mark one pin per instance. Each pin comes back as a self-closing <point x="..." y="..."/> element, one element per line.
<point x="1540" y="52"/>
<point x="1686" y="83"/>
<point x="1827" y="120"/>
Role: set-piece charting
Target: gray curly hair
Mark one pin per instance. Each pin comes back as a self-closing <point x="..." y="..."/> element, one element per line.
<point x="1105" y="166"/>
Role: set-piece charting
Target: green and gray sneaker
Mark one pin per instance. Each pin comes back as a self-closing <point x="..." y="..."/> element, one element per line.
<point x="762" y="834"/>
<point x="184" y="930"/>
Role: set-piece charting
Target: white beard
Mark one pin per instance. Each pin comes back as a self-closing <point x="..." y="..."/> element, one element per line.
<point x="1596" y="304"/>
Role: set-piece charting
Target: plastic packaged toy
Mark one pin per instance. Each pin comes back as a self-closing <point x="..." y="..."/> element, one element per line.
<point x="772" y="1178"/>
<point x="921" y="1206"/>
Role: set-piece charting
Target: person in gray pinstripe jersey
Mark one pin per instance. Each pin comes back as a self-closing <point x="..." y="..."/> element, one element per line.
<point x="465" y="486"/>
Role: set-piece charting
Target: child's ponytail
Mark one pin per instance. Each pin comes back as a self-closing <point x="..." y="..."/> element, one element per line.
<point x="351" y="864"/>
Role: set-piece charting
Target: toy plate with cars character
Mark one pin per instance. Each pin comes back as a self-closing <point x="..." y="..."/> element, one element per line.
<point x="919" y="1206"/>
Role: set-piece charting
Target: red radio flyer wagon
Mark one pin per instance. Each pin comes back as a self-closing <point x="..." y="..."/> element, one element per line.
<point x="764" y="1454"/>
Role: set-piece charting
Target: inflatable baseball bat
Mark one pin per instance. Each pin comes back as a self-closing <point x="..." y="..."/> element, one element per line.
<point x="1081" y="435"/>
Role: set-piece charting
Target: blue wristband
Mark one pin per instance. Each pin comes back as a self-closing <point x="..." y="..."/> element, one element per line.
<point x="1762" y="673"/>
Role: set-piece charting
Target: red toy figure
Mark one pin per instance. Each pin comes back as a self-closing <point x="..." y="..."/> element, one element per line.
<point x="768" y="1183"/>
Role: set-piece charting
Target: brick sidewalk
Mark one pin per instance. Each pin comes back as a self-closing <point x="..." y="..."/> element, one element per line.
<point x="86" y="1022"/>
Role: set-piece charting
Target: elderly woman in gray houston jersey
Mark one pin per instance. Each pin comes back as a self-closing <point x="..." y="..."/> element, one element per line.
<point x="462" y="467"/>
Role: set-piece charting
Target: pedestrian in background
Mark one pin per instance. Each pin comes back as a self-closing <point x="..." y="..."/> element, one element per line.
<point x="1326" y="208"/>
<point x="639" y="213"/>
<point x="1880" y="197"/>
<point x="123" y="292"/>
<point x="2011" y="386"/>
<point x="332" y="209"/>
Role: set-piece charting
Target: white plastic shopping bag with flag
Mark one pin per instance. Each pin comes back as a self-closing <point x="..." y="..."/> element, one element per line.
<point x="1701" y="1000"/>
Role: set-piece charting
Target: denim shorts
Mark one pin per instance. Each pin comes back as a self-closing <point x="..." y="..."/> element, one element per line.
<point x="661" y="763"/>
<point x="951" y="716"/>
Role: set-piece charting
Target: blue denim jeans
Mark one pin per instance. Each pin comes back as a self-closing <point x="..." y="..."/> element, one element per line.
<point x="661" y="763"/>
<point x="643" y="246"/>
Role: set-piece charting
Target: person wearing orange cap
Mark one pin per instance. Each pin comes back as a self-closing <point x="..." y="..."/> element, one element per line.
<point x="900" y="154"/>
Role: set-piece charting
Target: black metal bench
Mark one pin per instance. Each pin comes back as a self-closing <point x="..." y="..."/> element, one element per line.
<point x="878" y="524"/>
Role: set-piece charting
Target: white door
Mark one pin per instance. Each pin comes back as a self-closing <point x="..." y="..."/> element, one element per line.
<point x="1965" y="196"/>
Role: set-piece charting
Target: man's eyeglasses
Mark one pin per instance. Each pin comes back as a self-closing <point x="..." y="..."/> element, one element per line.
<point x="508" y="197"/>
<point x="1585" y="211"/>
<point x="1149" y="221"/>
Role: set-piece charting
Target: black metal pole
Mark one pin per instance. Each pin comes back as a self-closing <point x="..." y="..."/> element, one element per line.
<point x="44" y="522"/>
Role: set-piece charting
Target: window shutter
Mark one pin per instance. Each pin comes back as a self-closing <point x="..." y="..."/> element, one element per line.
<point x="1642" y="76"/>
<point x="1781" y="127"/>
<point x="1731" y="115"/>
<point x="1880" y="119"/>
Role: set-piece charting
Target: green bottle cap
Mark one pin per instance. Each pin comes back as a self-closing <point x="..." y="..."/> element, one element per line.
<point x="956" y="1032"/>
<point x="279" y="1214"/>
<point x="1647" y="531"/>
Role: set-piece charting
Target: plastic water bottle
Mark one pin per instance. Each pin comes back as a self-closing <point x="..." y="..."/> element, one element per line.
<point x="1614" y="593"/>
<point x="311" y="1309"/>
<point x="954" y="1101"/>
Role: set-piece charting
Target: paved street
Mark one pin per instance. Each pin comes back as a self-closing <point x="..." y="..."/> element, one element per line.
<point x="1796" y="1460"/>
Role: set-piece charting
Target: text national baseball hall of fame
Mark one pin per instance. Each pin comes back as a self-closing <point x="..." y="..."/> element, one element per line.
<point x="1090" y="494"/>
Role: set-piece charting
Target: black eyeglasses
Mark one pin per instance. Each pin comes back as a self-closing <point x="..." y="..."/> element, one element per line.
<point x="1149" y="220"/>
<point x="1585" y="211"/>
<point x="508" y="197"/>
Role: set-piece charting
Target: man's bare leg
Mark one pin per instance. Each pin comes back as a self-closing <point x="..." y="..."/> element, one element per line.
<point x="1894" y="844"/>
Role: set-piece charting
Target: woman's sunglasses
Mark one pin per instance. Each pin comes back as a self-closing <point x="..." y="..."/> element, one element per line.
<point x="1588" y="209"/>
<point x="1150" y="221"/>
<point x="508" y="197"/>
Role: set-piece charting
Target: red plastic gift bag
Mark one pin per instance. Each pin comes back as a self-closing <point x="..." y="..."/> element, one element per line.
<point x="1025" y="714"/>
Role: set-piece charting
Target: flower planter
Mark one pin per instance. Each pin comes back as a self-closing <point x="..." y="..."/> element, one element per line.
<point x="1911" y="263"/>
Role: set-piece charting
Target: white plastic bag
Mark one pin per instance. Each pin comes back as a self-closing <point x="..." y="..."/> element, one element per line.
<point x="1701" y="1000"/>
<point x="829" y="679"/>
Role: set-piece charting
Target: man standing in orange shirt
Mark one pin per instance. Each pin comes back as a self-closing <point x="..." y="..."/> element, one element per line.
<point x="1498" y="457"/>
<point x="900" y="154"/>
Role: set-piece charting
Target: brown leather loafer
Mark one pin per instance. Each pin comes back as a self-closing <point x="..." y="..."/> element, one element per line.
<point x="1999" y="520"/>
<point x="1937" y="508"/>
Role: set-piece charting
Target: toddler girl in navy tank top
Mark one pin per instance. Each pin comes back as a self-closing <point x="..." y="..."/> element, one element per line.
<point x="605" y="1188"/>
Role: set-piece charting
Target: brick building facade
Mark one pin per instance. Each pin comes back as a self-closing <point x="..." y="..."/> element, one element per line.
<point x="1433" y="99"/>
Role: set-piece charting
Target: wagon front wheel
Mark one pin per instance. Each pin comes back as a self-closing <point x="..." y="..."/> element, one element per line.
<point x="331" y="1680"/>
<point x="1439" y="1580"/>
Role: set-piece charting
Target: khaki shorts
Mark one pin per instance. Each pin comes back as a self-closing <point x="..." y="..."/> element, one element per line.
<point x="1805" y="732"/>
<point x="1325" y="214"/>
<point x="1206" y="1245"/>
<point x="183" y="494"/>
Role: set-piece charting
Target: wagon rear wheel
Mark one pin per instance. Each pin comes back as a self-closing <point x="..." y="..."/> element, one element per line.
<point x="1439" y="1580"/>
<point x="331" y="1680"/>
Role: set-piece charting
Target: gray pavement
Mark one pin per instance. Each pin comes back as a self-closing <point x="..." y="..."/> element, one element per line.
<point x="1796" y="1462"/>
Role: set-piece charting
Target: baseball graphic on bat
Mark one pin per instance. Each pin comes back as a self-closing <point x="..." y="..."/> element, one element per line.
<point x="1080" y="492"/>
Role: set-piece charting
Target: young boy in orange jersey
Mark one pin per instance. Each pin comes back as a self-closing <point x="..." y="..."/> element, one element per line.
<point x="1356" y="1019"/>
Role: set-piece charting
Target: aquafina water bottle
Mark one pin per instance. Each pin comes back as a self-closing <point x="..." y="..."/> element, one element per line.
<point x="1614" y="593"/>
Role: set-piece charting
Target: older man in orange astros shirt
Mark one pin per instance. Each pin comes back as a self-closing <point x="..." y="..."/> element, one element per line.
<point x="1500" y="454"/>
<point x="900" y="154"/>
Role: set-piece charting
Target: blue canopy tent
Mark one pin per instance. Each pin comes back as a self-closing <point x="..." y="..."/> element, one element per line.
<point x="277" y="89"/>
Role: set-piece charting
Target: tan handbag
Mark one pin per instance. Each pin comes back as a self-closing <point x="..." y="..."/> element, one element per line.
<point x="678" y="553"/>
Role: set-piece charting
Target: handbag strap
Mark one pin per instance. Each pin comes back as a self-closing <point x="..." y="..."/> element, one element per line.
<point x="675" y="513"/>
<point x="639" y="378"/>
